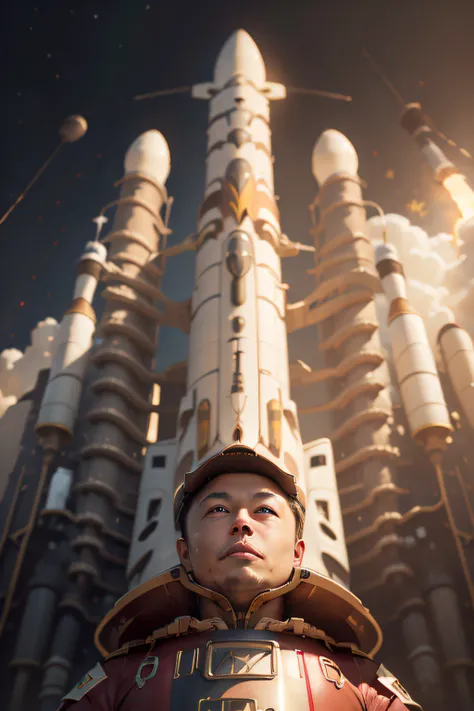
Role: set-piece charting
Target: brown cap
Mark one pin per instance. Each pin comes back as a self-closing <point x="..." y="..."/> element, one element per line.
<point x="236" y="458"/>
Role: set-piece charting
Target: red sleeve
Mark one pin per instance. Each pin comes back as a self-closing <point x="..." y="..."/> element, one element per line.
<point x="381" y="690"/>
<point x="376" y="701"/>
<point x="90" y="702"/>
<point x="87" y="703"/>
<point x="97" y="693"/>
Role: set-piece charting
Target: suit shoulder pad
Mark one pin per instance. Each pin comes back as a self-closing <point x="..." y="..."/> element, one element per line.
<point x="387" y="679"/>
<point x="353" y="649"/>
<point x="93" y="677"/>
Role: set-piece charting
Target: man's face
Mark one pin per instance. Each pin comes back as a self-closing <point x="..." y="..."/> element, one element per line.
<point x="240" y="537"/>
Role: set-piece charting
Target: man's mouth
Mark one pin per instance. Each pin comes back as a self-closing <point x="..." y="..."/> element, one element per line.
<point x="241" y="550"/>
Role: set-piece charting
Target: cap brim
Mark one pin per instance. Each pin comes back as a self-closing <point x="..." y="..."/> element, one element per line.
<point x="239" y="458"/>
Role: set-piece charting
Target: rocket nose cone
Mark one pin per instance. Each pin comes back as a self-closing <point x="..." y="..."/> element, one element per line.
<point x="239" y="55"/>
<point x="333" y="153"/>
<point x="149" y="154"/>
<point x="385" y="251"/>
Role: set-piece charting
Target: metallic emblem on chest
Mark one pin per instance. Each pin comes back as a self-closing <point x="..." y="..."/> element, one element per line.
<point x="250" y="671"/>
<point x="186" y="662"/>
<point x="252" y="660"/>
<point x="227" y="705"/>
<point x="148" y="661"/>
<point x="332" y="672"/>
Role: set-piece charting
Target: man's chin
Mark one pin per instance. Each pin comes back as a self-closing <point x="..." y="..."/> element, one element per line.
<point x="244" y="579"/>
<point x="243" y="568"/>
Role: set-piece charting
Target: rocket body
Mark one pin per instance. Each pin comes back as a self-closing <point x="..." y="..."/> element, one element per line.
<point x="414" y="362"/>
<point x="238" y="381"/>
<point x="458" y="354"/>
<point x="64" y="389"/>
<point x="415" y="123"/>
<point x="238" y="373"/>
<point x="444" y="171"/>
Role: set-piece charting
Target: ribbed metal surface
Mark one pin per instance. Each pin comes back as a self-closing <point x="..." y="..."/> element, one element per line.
<point x="374" y="505"/>
<point x="108" y="479"/>
<point x="358" y="379"/>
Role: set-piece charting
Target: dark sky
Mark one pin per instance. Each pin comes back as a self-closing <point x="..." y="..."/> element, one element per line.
<point x="70" y="56"/>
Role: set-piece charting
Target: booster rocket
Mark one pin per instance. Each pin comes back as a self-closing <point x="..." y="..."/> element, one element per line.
<point x="414" y="362"/>
<point x="416" y="124"/>
<point x="61" y="400"/>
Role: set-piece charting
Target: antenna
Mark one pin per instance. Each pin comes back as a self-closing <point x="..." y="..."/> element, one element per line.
<point x="72" y="129"/>
<point x="318" y="92"/>
<point x="164" y="92"/>
<point x="290" y="90"/>
<point x="31" y="183"/>
<point x="384" y="78"/>
<point x="403" y="104"/>
<point x="100" y="221"/>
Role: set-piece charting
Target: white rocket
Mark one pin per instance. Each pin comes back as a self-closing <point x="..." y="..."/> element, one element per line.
<point x="238" y="357"/>
<point x="238" y="370"/>
<point x="457" y="351"/>
<point x="61" y="399"/>
<point x="414" y="362"/>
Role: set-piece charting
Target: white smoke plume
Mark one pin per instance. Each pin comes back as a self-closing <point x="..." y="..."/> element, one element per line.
<point x="19" y="371"/>
<point x="426" y="262"/>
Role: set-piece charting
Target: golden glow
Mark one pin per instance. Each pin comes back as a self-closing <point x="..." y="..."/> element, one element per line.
<point x="152" y="434"/>
<point x="155" y="398"/>
<point x="274" y="426"/>
<point x="461" y="193"/>
<point x="416" y="206"/>
<point x="203" y="427"/>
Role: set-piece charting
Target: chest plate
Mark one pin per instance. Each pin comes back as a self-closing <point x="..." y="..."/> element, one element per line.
<point x="248" y="670"/>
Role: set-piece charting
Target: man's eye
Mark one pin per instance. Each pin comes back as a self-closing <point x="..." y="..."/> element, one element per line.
<point x="218" y="509"/>
<point x="265" y="509"/>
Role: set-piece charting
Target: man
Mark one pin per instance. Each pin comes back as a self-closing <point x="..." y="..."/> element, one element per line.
<point x="240" y="625"/>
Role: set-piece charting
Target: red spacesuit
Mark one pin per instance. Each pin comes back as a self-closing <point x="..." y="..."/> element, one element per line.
<point x="161" y="655"/>
<point x="208" y="666"/>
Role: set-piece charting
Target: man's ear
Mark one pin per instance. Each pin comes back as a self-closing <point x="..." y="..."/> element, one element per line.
<point x="183" y="552"/>
<point x="298" y="553"/>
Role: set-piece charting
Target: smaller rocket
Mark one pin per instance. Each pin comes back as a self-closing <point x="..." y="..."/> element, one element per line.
<point x="415" y="123"/>
<point x="458" y="355"/>
<point x="413" y="358"/>
<point x="63" y="392"/>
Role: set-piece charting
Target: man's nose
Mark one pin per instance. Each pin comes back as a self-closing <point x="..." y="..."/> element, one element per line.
<point x="242" y="524"/>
